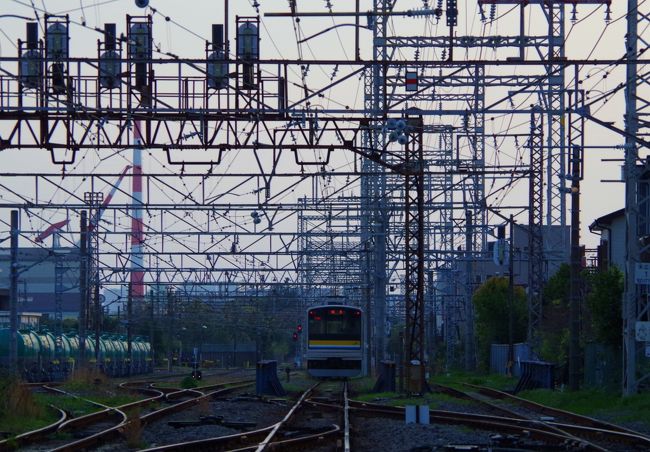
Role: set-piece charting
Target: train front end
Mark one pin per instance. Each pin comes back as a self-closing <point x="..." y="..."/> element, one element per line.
<point x="334" y="341"/>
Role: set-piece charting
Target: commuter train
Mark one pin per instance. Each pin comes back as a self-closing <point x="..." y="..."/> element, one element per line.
<point x="38" y="362"/>
<point x="334" y="341"/>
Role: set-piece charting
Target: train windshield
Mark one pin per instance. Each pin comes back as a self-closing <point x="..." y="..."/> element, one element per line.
<point x="334" y="323"/>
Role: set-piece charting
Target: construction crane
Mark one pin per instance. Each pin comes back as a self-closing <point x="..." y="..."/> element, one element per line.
<point x="54" y="230"/>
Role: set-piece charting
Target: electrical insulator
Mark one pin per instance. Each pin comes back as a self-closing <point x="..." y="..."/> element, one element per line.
<point x="57" y="41"/>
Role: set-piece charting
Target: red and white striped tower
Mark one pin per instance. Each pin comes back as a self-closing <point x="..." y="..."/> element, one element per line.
<point x="137" y="227"/>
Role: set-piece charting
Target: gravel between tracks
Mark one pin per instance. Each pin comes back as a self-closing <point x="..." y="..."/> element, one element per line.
<point x="371" y="434"/>
<point x="160" y="433"/>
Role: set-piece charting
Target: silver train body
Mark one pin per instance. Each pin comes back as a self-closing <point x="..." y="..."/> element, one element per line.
<point x="334" y="341"/>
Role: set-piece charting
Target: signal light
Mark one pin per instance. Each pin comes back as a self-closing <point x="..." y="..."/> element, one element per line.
<point x="299" y="328"/>
<point x="295" y="336"/>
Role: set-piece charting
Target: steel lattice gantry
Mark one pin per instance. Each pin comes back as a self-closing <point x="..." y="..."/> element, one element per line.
<point x="418" y="207"/>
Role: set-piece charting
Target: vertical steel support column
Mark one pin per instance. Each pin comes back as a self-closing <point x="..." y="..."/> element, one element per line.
<point x="632" y="257"/>
<point x="373" y="191"/>
<point x="13" y="292"/>
<point x="83" y="286"/>
<point x="170" y="331"/>
<point x="129" y="330"/>
<point x="574" y="283"/>
<point x="58" y="297"/>
<point x="555" y="141"/>
<point x="535" y="221"/>
<point x="576" y="145"/>
<point x="469" y="284"/>
<point x="94" y="202"/>
<point x="414" y="257"/>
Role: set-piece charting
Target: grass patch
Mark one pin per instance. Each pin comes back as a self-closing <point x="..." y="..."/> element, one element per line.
<point x="456" y="380"/>
<point x="75" y="407"/>
<point x="20" y="411"/>
<point x="362" y="385"/>
<point x="595" y="403"/>
<point x="376" y="396"/>
<point x="189" y="383"/>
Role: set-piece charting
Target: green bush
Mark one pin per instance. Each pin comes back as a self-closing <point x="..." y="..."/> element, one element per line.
<point x="188" y="383"/>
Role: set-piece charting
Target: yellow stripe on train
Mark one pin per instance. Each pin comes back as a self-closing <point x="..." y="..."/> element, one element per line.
<point x="330" y="342"/>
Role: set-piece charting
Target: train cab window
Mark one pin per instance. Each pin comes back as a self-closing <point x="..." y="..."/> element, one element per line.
<point x="330" y="323"/>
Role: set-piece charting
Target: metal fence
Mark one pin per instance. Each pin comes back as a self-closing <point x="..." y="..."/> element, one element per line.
<point x="499" y="358"/>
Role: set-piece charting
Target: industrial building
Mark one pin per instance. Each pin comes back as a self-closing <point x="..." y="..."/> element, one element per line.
<point x="37" y="280"/>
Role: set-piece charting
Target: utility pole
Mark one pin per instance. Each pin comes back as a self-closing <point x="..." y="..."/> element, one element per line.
<point x="511" y="296"/>
<point x="170" y="331"/>
<point x="13" y="294"/>
<point x="129" y="331"/>
<point x="83" y="286"/>
<point x="574" y="280"/>
<point x="632" y="254"/>
<point x="470" y="359"/>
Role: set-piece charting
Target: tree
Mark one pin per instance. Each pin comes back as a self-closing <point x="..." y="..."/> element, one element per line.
<point x="604" y="302"/>
<point x="555" y="326"/>
<point x="492" y="308"/>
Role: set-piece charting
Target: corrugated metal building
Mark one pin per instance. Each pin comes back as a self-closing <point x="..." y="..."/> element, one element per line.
<point x="36" y="268"/>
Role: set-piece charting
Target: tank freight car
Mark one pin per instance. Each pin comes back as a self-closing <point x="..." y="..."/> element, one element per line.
<point x="37" y="359"/>
<point x="334" y="341"/>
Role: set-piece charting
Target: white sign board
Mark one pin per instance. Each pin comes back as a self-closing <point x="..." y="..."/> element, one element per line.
<point x="642" y="273"/>
<point x="642" y="330"/>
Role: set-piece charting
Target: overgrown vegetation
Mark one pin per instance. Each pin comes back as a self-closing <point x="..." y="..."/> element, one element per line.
<point x="188" y="383"/>
<point x="456" y="380"/>
<point x="596" y="403"/>
<point x="492" y="308"/>
<point x="19" y="410"/>
<point x="604" y="302"/>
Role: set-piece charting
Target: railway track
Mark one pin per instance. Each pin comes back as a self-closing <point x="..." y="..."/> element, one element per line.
<point x="592" y="433"/>
<point x="295" y="431"/>
<point x="110" y="423"/>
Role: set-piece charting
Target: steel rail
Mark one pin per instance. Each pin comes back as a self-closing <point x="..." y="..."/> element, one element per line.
<point x="265" y="443"/>
<point x="556" y="412"/>
<point x="508" y="412"/>
<point x="534" y="429"/>
<point x="538" y="430"/>
<point x="569" y="431"/>
<point x="346" y="418"/>
<point x="65" y="424"/>
<point x="154" y="415"/>
<point x="262" y="436"/>
<point x="22" y="439"/>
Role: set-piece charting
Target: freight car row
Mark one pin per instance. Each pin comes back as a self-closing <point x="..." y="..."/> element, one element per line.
<point x="38" y="360"/>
